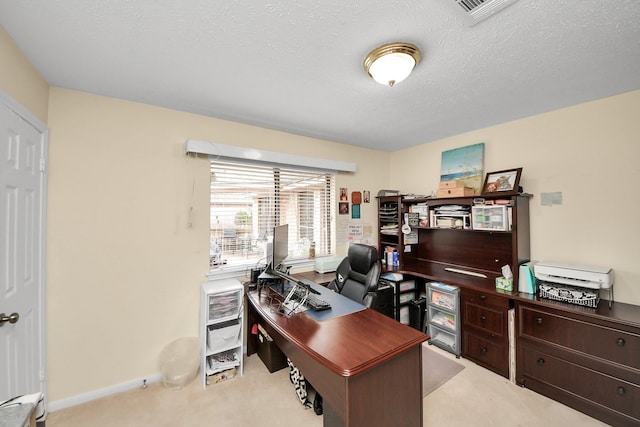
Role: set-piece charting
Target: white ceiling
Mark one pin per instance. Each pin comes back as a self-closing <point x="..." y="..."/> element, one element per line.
<point x="297" y="66"/>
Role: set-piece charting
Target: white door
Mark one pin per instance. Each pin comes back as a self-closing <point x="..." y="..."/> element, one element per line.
<point x="22" y="203"/>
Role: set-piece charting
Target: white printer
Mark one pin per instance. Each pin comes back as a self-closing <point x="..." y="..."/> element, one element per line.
<point x="580" y="276"/>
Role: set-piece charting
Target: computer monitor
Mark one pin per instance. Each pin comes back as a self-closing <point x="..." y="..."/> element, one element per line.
<point x="280" y="248"/>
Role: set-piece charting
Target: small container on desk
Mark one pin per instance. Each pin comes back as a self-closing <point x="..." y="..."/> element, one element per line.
<point x="491" y="217"/>
<point x="504" y="284"/>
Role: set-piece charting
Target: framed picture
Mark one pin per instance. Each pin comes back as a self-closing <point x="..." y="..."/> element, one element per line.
<point x="502" y="181"/>
<point x="343" y="208"/>
<point x="343" y="194"/>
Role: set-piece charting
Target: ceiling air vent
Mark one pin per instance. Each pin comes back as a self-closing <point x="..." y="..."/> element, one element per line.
<point x="479" y="10"/>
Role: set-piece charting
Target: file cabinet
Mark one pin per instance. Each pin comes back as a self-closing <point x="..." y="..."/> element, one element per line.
<point x="584" y="358"/>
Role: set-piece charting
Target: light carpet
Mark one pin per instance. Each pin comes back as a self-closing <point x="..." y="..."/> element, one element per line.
<point x="436" y="369"/>
<point x="261" y="399"/>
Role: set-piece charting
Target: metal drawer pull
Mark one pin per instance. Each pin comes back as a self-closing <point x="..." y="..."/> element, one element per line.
<point x="541" y="361"/>
<point x="483" y="297"/>
<point x="483" y="350"/>
<point x="539" y="320"/>
<point x="621" y="391"/>
<point x="483" y="318"/>
<point x="620" y="342"/>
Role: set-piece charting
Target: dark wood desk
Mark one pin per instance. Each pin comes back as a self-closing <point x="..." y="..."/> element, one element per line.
<point x="366" y="366"/>
<point x="320" y="278"/>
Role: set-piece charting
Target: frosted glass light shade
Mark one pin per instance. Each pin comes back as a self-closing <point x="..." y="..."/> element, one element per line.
<point x="392" y="63"/>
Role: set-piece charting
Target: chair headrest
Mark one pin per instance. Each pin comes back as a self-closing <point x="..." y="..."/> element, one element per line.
<point x="362" y="257"/>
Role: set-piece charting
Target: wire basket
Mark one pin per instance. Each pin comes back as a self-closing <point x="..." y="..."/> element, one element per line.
<point x="570" y="294"/>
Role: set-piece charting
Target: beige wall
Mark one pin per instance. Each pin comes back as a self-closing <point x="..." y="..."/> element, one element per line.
<point x="20" y="80"/>
<point x="590" y="153"/>
<point x="128" y="230"/>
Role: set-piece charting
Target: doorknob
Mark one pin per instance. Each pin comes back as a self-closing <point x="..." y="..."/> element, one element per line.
<point x="12" y="318"/>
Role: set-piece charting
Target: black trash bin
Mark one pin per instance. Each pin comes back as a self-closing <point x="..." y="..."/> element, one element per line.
<point x="417" y="310"/>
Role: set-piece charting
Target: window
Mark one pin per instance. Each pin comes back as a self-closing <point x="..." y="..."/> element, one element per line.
<point x="247" y="201"/>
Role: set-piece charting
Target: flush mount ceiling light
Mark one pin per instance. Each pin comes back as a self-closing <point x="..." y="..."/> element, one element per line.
<point x="392" y="63"/>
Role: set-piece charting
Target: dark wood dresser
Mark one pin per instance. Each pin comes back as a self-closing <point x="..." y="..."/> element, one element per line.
<point x="586" y="358"/>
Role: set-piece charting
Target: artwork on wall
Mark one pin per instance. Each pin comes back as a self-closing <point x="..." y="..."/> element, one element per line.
<point x="506" y="181"/>
<point x="343" y="194"/>
<point x="465" y="164"/>
<point x="343" y="208"/>
<point x="356" y="200"/>
<point x="356" y="197"/>
<point x="355" y="211"/>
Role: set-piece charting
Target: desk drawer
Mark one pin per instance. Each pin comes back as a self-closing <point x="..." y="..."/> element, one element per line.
<point x="488" y="353"/>
<point x="573" y="333"/>
<point x="485" y="299"/>
<point x="486" y="319"/>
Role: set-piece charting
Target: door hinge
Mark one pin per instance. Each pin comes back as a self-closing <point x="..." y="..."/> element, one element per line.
<point x="43" y="165"/>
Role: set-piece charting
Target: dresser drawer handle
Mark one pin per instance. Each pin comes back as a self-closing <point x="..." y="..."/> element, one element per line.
<point x="483" y="297"/>
<point x="483" y="350"/>
<point x="621" y="391"/>
<point x="539" y="320"/>
<point x="620" y="342"/>
<point x="483" y="318"/>
<point x="540" y="361"/>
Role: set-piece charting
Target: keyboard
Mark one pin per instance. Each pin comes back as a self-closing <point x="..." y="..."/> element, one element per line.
<point x="313" y="302"/>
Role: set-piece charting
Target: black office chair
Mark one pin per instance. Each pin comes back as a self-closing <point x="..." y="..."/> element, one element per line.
<point x="357" y="278"/>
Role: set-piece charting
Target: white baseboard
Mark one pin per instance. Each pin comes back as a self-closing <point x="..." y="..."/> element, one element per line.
<point x="103" y="392"/>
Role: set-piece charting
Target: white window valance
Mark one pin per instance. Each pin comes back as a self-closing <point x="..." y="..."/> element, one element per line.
<point x="244" y="155"/>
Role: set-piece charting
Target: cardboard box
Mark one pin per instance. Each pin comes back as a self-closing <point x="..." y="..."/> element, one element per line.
<point x="221" y="376"/>
<point x="456" y="183"/>
<point x="455" y="192"/>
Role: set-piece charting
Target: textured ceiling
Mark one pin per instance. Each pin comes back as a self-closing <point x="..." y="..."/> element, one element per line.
<point x="297" y="66"/>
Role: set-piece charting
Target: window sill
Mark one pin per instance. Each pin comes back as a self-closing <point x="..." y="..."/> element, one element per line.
<point x="242" y="271"/>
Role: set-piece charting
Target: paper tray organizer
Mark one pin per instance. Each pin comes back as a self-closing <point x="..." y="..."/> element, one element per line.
<point x="570" y="294"/>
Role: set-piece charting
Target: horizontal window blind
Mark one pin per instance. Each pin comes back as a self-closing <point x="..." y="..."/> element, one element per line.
<point x="248" y="201"/>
